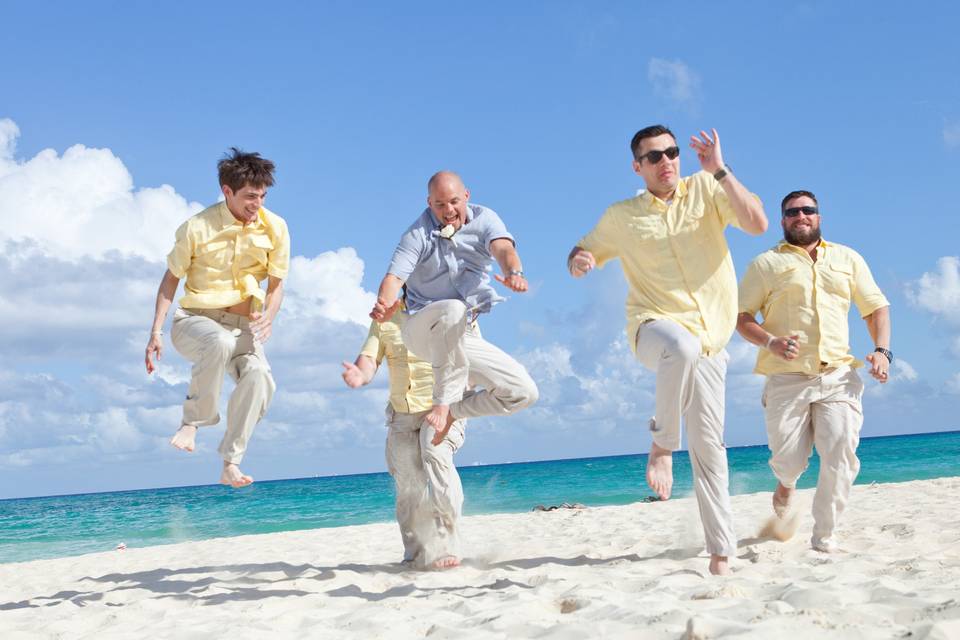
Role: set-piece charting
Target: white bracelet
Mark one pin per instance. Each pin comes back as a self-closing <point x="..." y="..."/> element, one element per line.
<point x="156" y="333"/>
<point x="770" y="342"/>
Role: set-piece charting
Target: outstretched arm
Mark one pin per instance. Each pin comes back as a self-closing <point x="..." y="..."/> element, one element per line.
<point x="786" y="347"/>
<point x="580" y="261"/>
<point x="168" y="289"/>
<point x="359" y="373"/>
<point x="510" y="266"/>
<point x="749" y="211"/>
<point x="878" y="323"/>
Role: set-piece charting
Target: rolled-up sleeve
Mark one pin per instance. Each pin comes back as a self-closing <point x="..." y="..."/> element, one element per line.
<point x="602" y="240"/>
<point x="373" y="345"/>
<point x="753" y="291"/>
<point x="407" y="254"/>
<point x="866" y="294"/>
<point x="178" y="260"/>
<point x="278" y="260"/>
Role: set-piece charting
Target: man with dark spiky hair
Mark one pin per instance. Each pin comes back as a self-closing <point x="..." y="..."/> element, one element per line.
<point x="225" y="252"/>
<point x="681" y="306"/>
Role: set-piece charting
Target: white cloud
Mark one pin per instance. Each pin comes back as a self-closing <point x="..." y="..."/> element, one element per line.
<point x="951" y="135"/>
<point x="674" y="81"/>
<point x="939" y="292"/>
<point x="85" y="249"/>
<point x="953" y="384"/>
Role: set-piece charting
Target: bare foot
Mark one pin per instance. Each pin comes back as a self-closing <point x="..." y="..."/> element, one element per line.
<point x="782" y="498"/>
<point x="660" y="471"/>
<point x="441" y="420"/>
<point x="185" y="438"/>
<point x="719" y="565"/>
<point x="446" y="562"/>
<point x="233" y="476"/>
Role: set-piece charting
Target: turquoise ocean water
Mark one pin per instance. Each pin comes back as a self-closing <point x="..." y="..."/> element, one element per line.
<point x="51" y="527"/>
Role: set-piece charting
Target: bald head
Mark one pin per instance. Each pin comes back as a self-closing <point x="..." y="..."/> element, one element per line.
<point x="447" y="178"/>
<point x="447" y="198"/>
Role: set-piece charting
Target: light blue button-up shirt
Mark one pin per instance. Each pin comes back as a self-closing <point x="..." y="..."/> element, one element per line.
<point x="458" y="268"/>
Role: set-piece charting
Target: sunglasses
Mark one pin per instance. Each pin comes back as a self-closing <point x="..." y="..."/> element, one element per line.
<point x="793" y="212"/>
<point x="653" y="157"/>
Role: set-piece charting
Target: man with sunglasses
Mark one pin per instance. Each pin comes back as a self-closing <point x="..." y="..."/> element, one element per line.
<point x="681" y="306"/>
<point x="803" y="288"/>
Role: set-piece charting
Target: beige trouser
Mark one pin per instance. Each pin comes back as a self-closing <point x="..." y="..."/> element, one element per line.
<point x="429" y="493"/>
<point x="443" y="334"/>
<point x="217" y="342"/>
<point x="690" y="388"/>
<point x="822" y="410"/>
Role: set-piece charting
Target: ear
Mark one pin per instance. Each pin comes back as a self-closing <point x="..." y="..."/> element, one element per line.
<point x="466" y="194"/>
<point x="636" y="168"/>
<point x="227" y="191"/>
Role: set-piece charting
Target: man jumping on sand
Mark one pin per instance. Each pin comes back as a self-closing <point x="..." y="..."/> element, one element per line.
<point x="444" y="258"/>
<point x="681" y="306"/>
<point x="803" y="287"/>
<point x="224" y="318"/>
<point x="429" y="496"/>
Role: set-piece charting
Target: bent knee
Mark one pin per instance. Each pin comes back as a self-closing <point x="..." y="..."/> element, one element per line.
<point x="686" y="349"/>
<point x="522" y="395"/>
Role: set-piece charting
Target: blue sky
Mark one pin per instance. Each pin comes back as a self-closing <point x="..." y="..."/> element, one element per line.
<point x="358" y="103"/>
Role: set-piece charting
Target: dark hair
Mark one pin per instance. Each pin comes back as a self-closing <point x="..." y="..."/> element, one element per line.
<point x="648" y="132"/>
<point x="797" y="194"/>
<point x="238" y="169"/>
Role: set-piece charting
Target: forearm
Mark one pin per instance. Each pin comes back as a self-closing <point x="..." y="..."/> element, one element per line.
<point x="389" y="290"/>
<point x="752" y="331"/>
<point x="749" y="211"/>
<point x="507" y="257"/>
<point x="878" y="323"/>
<point x="367" y="366"/>
<point x="274" y="297"/>
<point x="165" y="294"/>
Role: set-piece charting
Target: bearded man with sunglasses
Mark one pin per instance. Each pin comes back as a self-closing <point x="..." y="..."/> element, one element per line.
<point x="803" y="287"/>
<point x="681" y="306"/>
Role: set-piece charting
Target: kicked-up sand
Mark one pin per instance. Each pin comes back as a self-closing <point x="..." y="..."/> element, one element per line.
<point x="634" y="571"/>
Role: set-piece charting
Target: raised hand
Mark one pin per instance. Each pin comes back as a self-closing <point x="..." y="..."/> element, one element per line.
<point x="708" y="150"/>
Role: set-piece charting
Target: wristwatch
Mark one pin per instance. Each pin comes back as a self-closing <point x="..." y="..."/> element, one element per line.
<point x="722" y="172"/>
<point x="515" y="272"/>
<point x="885" y="352"/>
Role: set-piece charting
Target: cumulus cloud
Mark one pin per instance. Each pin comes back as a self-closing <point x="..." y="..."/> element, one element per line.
<point x="939" y="291"/>
<point x="673" y="80"/>
<point x="85" y="248"/>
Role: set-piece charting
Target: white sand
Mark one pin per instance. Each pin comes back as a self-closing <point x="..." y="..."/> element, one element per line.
<point x="611" y="572"/>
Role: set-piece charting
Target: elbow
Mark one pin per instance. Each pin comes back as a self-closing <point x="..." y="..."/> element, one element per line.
<point x="760" y="224"/>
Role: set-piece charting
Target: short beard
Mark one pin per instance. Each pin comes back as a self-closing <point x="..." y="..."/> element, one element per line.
<point x="802" y="238"/>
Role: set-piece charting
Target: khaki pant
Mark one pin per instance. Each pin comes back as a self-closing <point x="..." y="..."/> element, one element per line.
<point x="443" y="334"/>
<point x="429" y="493"/>
<point x="690" y="389"/>
<point x="217" y="342"/>
<point x="804" y="411"/>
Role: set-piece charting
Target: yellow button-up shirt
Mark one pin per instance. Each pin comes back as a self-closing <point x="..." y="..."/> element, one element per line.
<point x="411" y="379"/>
<point x="798" y="296"/>
<point x="224" y="260"/>
<point x="675" y="259"/>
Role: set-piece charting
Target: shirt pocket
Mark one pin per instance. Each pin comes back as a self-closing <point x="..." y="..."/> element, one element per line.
<point x="259" y="249"/>
<point x="838" y="280"/>
<point x="216" y="255"/>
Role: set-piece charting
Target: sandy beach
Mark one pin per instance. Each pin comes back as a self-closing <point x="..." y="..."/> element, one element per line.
<point x="635" y="571"/>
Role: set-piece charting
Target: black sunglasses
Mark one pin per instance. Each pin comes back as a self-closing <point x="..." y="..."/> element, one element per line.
<point x="653" y="157"/>
<point x="793" y="212"/>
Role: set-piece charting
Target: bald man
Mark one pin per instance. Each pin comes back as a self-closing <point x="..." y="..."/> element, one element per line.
<point x="444" y="258"/>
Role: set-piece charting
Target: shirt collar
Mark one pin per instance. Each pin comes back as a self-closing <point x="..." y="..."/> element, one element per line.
<point x="681" y="192"/>
<point x="227" y="219"/>
<point x="783" y="245"/>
